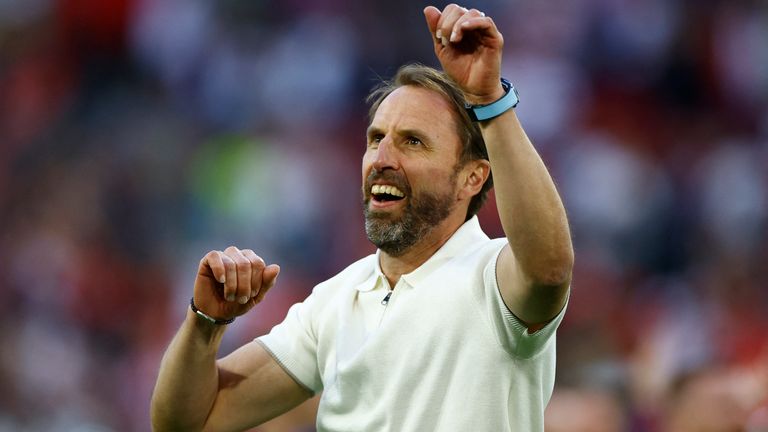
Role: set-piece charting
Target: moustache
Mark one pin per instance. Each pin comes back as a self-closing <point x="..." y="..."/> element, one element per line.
<point x="389" y="177"/>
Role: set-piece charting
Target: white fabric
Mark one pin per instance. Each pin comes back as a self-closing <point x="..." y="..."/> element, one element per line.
<point x="445" y="354"/>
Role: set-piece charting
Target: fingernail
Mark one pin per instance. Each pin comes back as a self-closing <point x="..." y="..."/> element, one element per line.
<point x="253" y="293"/>
<point x="444" y="41"/>
<point x="231" y="297"/>
<point x="439" y="34"/>
<point x="222" y="279"/>
<point x="243" y="300"/>
<point x="453" y="36"/>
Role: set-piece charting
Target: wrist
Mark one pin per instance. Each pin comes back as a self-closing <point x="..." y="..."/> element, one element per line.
<point x="206" y="317"/>
<point x="487" y="99"/>
<point x="203" y="330"/>
<point x="508" y="100"/>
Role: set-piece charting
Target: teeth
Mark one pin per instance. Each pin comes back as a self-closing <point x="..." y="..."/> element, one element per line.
<point x="386" y="189"/>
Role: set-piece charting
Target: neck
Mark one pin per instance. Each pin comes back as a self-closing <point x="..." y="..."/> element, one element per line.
<point x="395" y="266"/>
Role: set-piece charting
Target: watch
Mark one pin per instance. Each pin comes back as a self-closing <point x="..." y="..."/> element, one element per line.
<point x="495" y="109"/>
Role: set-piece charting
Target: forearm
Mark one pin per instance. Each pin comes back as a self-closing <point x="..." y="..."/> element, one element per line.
<point x="530" y="209"/>
<point x="188" y="380"/>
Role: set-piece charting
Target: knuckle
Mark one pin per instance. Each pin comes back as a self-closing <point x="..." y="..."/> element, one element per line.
<point x="243" y="265"/>
<point x="252" y="257"/>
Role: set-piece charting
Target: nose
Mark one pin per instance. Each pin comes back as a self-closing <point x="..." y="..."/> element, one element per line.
<point x="385" y="155"/>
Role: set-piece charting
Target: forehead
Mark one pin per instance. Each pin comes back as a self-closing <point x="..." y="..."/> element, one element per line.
<point x="411" y="107"/>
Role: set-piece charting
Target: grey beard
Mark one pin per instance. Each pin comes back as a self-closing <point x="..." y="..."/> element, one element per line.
<point x="420" y="216"/>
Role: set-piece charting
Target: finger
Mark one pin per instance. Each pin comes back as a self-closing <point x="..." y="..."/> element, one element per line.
<point x="447" y="20"/>
<point x="243" y="267"/>
<point x="230" y="277"/>
<point x="432" y="14"/>
<point x="212" y="261"/>
<point x="268" y="280"/>
<point x="481" y="24"/>
<point x="257" y="267"/>
<point x="458" y="29"/>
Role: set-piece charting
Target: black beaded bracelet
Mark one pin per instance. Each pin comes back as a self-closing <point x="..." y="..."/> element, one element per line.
<point x="208" y="317"/>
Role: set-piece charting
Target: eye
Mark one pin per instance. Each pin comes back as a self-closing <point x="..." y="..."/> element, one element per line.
<point x="375" y="139"/>
<point x="411" y="140"/>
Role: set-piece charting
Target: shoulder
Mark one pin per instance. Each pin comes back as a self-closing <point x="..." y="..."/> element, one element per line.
<point x="482" y="253"/>
<point x="356" y="273"/>
<point x="472" y="265"/>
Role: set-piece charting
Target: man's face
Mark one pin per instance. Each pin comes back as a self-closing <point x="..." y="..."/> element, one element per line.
<point x="410" y="169"/>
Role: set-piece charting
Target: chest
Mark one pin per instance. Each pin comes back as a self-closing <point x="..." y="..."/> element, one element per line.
<point x="380" y="337"/>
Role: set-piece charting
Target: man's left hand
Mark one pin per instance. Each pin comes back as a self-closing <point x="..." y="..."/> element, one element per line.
<point x="469" y="48"/>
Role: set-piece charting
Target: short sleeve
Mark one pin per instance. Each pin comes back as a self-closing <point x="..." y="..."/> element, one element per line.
<point x="510" y="331"/>
<point x="293" y="344"/>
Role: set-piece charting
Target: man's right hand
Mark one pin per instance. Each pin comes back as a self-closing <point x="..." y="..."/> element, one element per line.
<point x="230" y="283"/>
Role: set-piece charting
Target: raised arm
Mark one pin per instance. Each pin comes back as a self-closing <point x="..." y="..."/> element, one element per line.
<point x="196" y="392"/>
<point x="534" y="269"/>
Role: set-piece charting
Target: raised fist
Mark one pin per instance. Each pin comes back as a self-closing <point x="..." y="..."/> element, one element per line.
<point x="230" y="283"/>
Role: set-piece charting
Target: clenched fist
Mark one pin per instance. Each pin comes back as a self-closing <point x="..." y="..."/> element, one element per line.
<point x="230" y="283"/>
<point x="469" y="47"/>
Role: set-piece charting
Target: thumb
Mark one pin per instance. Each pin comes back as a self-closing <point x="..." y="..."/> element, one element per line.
<point x="268" y="279"/>
<point x="269" y="276"/>
<point x="432" y="14"/>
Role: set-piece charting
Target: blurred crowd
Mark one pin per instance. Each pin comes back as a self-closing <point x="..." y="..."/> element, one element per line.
<point x="136" y="135"/>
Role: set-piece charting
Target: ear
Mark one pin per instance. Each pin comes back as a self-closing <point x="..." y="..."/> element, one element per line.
<point x="473" y="176"/>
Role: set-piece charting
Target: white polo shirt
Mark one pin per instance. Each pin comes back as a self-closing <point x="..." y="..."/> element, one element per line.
<point x="442" y="354"/>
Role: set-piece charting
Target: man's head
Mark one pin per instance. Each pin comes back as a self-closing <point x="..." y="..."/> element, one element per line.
<point x="473" y="145"/>
<point x="426" y="160"/>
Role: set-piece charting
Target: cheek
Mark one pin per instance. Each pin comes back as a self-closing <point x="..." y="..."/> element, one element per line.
<point x="436" y="180"/>
<point x="366" y="161"/>
<point x="366" y="165"/>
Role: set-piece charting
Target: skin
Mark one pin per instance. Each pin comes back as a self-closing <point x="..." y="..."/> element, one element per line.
<point x="404" y="138"/>
<point x="249" y="387"/>
<point x="534" y="269"/>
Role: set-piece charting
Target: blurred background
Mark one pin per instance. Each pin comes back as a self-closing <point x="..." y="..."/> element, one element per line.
<point x="136" y="135"/>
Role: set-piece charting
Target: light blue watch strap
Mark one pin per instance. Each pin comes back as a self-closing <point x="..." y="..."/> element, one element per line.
<point x="495" y="109"/>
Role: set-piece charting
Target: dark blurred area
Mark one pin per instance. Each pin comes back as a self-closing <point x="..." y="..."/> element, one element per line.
<point x="136" y="135"/>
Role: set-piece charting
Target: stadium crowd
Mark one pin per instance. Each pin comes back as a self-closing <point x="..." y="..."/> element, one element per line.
<point x="137" y="134"/>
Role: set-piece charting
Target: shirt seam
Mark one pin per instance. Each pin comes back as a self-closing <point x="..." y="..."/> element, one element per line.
<point x="285" y="367"/>
<point x="512" y="319"/>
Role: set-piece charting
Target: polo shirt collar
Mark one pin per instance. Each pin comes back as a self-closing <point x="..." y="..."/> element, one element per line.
<point x="462" y="240"/>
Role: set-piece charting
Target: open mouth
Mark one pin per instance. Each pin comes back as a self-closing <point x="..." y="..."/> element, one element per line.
<point x="386" y="193"/>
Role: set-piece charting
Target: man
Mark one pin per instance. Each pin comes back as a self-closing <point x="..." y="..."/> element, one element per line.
<point x="442" y="329"/>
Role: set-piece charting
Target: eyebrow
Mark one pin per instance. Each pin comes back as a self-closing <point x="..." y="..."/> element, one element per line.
<point x="373" y="130"/>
